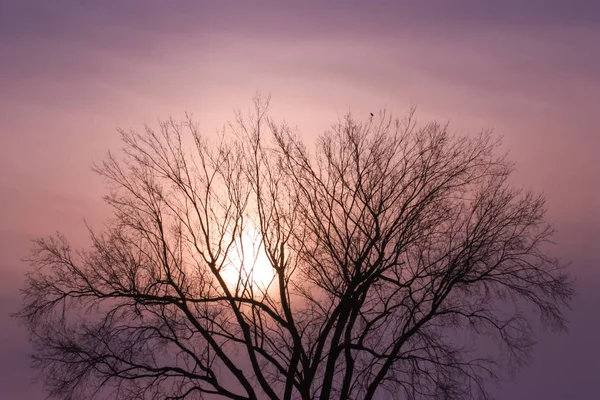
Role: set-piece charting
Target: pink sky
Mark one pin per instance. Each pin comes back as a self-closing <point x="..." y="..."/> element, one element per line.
<point x="72" y="73"/>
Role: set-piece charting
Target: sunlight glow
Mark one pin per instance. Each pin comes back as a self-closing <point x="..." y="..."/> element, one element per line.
<point x="248" y="262"/>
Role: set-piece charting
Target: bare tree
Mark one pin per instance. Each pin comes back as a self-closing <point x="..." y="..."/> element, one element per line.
<point x="390" y="259"/>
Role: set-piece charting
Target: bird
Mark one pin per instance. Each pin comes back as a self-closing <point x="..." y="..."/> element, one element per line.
<point x="372" y="115"/>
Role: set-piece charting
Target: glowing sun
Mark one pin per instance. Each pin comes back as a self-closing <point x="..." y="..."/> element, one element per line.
<point x="248" y="262"/>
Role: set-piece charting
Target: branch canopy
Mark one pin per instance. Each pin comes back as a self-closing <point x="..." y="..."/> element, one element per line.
<point x="394" y="258"/>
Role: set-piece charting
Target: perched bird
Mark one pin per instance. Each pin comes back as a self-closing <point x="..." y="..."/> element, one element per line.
<point x="372" y="115"/>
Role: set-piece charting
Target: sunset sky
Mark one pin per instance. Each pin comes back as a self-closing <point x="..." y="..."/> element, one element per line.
<point x="72" y="72"/>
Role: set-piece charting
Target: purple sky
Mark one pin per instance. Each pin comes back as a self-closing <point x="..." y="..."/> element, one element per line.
<point x="71" y="73"/>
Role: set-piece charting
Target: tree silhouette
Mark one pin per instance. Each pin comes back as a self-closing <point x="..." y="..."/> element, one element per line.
<point x="396" y="254"/>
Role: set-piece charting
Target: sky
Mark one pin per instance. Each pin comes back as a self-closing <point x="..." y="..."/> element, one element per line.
<point x="72" y="72"/>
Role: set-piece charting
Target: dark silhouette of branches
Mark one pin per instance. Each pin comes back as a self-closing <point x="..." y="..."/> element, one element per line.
<point x="396" y="254"/>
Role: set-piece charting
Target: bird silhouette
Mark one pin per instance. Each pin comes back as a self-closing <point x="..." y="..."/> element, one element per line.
<point x="372" y="115"/>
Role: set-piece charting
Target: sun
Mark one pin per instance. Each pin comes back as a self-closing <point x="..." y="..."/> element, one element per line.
<point x="248" y="262"/>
